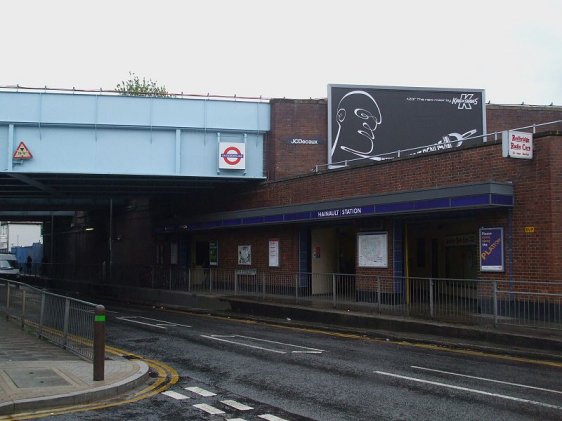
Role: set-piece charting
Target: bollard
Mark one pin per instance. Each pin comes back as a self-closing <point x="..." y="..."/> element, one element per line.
<point x="99" y="343"/>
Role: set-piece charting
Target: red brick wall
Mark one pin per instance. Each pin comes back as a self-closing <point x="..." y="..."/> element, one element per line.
<point x="536" y="188"/>
<point x="301" y="119"/>
<point x="505" y="117"/>
<point x="258" y="238"/>
<point x="537" y="183"/>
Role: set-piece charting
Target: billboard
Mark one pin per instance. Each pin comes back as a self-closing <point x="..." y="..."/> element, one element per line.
<point x="383" y="123"/>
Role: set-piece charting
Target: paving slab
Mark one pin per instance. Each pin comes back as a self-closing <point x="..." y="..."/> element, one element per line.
<point x="37" y="374"/>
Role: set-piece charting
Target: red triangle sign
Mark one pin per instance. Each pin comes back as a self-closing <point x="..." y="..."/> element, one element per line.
<point x="22" y="152"/>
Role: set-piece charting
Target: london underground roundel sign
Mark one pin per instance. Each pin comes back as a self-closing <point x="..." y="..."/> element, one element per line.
<point x="232" y="156"/>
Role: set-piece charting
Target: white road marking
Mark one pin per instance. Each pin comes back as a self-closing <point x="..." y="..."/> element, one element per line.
<point x="175" y="395"/>
<point x="465" y="389"/>
<point x="243" y="344"/>
<point x="228" y="339"/>
<point x="237" y="405"/>
<point x="160" y="323"/>
<point x="200" y="392"/>
<point x="129" y="319"/>
<point x="209" y="409"/>
<point x="487" y="380"/>
<point x="270" y="417"/>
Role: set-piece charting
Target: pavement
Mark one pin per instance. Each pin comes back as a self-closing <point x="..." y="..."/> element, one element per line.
<point x="37" y="374"/>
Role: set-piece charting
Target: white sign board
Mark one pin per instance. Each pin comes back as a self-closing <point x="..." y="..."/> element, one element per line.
<point x="273" y="253"/>
<point x="517" y="144"/>
<point x="232" y="156"/>
<point x="372" y="250"/>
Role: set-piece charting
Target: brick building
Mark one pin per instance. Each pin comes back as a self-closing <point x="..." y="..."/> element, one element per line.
<point x="421" y="216"/>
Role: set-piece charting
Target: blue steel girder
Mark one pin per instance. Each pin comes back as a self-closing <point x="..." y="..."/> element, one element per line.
<point x="85" y="149"/>
<point x="126" y="136"/>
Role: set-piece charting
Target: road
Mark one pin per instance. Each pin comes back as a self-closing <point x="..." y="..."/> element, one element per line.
<point x="285" y="373"/>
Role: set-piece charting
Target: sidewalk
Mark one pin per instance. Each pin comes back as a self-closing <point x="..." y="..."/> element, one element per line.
<point x="36" y="374"/>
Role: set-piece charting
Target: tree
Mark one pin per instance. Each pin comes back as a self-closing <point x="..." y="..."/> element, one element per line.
<point x="136" y="87"/>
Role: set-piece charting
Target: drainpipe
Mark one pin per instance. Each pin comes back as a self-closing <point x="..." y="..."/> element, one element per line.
<point x="110" y="235"/>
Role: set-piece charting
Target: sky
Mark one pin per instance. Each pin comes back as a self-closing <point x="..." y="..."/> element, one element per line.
<point x="292" y="48"/>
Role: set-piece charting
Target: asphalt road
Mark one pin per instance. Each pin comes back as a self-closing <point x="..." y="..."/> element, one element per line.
<point x="285" y="373"/>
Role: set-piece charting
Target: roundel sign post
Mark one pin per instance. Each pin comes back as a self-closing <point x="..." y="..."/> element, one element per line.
<point x="232" y="156"/>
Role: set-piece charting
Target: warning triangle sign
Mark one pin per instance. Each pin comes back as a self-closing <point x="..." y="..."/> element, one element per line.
<point x="22" y="152"/>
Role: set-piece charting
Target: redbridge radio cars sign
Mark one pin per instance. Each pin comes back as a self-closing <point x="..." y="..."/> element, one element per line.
<point x="517" y="144"/>
<point x="382" y="123"/>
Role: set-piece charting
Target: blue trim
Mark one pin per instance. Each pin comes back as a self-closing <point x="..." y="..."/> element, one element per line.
<point x="253" y="220"/>
<point x="500" y="199"/>
<point x="232" y="222"/>
<point x="481" y="199"/>
<point x="468" y="201"/>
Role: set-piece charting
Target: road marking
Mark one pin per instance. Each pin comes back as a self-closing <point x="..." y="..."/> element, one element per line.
<point x="200" y="392"/>
<point x="403" y="343"/>
<point x="167" y="377"/>
<point x="229" y="339"/>
<point x="487" y="380"/>
<point x="175" y="395"/>
<point x="236" y="419"/>
<point x="237" y="405"/>
<point x="270" y="417"/>
<point x="465" y="389"/>
<point x="161" y="324"/>
<point x="209" y="409"/>
<point x="216" y="338"/>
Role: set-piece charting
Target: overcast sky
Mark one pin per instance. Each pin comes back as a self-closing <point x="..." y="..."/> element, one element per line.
<point x="288" y="48"/>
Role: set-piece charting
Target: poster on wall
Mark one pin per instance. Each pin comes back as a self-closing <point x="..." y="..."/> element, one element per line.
<point x="380" y="123"/>
<point x="372" y="250"/>
<point x="274" y="253"/>
<point x="245" y="255"/>
<point x="213" y="253"/>
<point x="491" y="250"/>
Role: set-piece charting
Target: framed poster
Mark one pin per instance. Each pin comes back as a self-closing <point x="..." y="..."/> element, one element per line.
<point x="491" y="250"/>
<point x="245" y="255"/>
<point x="213" y="253"/>
<point x="274" y="253"/>
<point x="372" y="250"/>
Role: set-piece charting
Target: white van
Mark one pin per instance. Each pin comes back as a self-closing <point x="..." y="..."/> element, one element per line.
<point x="9" y="266"/>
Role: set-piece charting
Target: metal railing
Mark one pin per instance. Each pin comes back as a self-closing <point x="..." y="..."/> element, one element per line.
<point x="64" y="321"/>
<point x="493" y="302"/>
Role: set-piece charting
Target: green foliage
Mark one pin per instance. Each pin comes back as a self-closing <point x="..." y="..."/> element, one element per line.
<point x="136" y="86"/>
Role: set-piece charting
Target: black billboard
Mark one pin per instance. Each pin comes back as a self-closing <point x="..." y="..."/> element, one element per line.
<point x="381" y="123"/>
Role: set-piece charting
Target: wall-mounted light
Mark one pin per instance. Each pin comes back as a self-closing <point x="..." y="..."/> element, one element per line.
<point x="89" y="229"/>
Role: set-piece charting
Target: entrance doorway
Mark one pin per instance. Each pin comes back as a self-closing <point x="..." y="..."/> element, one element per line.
<point x="443" y="251"/>
<point x="333" y="253"/>
<point x="201" y="254"/>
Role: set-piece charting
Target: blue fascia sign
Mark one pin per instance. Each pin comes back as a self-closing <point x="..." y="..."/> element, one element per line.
<point x="491" y="250"/>
<point x="343" y="212"/>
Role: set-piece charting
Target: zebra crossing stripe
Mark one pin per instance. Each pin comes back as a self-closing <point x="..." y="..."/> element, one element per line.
<point x="201" y="392"/>
<point x="237" y="405"/>
<point x="270" y="417"/>
<point x="175" y="395"/>
<point x="209" y="409"/>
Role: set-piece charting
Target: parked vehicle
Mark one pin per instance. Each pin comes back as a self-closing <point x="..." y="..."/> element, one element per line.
<point x="9" y="266"/>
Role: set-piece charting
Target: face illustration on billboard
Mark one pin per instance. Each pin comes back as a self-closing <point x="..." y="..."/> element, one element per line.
<point x="382" y="123"/>
<point x="357" y="117"/>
